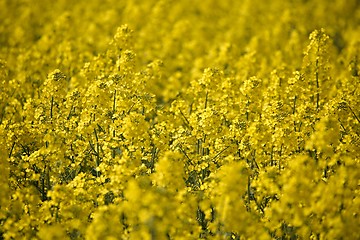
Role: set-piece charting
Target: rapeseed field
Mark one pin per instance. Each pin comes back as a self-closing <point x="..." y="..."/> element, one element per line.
<point x="188" y="119"/>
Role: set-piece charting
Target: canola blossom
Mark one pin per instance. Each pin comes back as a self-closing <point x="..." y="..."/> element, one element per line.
<point x="144" y="119"/>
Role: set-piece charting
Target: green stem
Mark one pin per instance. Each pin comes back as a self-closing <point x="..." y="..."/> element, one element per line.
<point x="97" y="149"/>
<point x="11" y="150"/>
<point x="317" y="81"/>
<point x="51" y="106"/>
<point x="356" y="117"/>
<point x="218" y="154"/>
<point x="294" y="106"/>
<point x="206" y="99"/>
<point x="180" y="147"/>
<point x="114" y="102"/>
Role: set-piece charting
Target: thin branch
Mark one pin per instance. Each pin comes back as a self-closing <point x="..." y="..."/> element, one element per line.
<point x="180" y="147"/>
<point x="354" y="114"/>
<point x="131" y="107"/>
<point x="51" y="106"/>
<point x="219" y="153"/>
<point x="97" y="148"/>
<point x="11" y="150"/>
<point x="114" y="102"/>
<point x="92" y="148"/>
<point x="186" y="120"/>
<point x="206" y="99"/>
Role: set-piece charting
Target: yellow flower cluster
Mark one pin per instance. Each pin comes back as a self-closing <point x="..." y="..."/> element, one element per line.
<point x="179" y="119"/>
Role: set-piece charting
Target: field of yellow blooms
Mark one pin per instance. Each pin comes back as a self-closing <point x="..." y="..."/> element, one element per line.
<point x="188" y="119"/>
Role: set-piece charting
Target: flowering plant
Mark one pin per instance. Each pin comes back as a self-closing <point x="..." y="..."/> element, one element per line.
<point x="179" y="119"/>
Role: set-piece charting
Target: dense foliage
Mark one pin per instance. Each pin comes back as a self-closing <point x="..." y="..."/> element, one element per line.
<point x="179" y="119"/>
